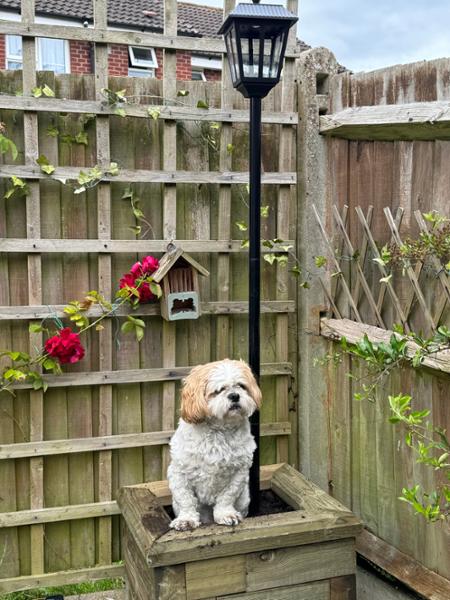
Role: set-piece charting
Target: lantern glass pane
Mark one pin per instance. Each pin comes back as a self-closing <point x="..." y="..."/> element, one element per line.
<point x="250" y="56"/>
<point x="234" y="54"/>
<point x="276" y="45"/>
<point x="231" y="60"/>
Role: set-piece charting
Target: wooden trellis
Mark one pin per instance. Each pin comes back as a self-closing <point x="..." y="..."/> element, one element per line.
<point x="364" y="257"/>
<point x="33" y="522"/>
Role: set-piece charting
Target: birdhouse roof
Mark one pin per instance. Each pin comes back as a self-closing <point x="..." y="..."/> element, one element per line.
<point x="169" y="260"/>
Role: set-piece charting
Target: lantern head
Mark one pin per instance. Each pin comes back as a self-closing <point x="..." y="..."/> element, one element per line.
<point x="256" y="37"/>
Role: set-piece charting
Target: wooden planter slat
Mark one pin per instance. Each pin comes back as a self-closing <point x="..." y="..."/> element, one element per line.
<point x="294" y="554"/>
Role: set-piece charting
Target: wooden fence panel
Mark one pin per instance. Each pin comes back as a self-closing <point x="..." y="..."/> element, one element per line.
<point x="368" y="460"/>
<point x="79" y="526"/>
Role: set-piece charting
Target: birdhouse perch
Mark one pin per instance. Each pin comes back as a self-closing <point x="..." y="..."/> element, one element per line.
<point x="178" y="276"/>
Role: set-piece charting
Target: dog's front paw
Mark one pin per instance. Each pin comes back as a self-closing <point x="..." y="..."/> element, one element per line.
<point x="227" y="516"/>
<point x="186" y="522"/>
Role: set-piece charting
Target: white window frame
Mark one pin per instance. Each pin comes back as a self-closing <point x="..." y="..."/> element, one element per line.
<point x="66" y="55"/>
<point x="135" y="72"/>
<point x="11" y="57"/>
<point x="202" y="74"/>
<point x="19" y="59"/>
<point x="142" y="64"/>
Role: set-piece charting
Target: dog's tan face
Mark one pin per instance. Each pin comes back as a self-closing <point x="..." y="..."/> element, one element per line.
<point x="226" y="390"/>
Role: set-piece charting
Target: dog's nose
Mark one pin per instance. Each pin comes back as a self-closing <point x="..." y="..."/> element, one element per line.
<point x="234" y="397"/>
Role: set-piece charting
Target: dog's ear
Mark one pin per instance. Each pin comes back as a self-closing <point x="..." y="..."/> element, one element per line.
<point x="194" y="407"/>
<point x="253" y="387"/>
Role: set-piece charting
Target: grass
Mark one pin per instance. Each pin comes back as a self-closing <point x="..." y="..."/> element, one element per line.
<point x="103" y="585"/>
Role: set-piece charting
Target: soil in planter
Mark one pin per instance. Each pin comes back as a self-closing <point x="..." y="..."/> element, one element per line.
<point x="269" y="504"/>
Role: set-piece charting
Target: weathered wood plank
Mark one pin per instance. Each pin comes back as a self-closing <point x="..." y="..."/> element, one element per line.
<point x="178" y="113"/>
<point x="227" y="307"/>
<point x="25" y="245"/>
<point x="289" y="566"/>
<point x="411" y="121"/>
<point x="138" y="376"/>
<point x="170" y="175"/>
<point x="319" y="590"/>
<point x="129" y="38"/>
<point x="29" y="582"/>
<point x="404" y="568"/>
<point x="124" y="440"/>
<point x="336" y="329"/>
<point x="202" y="578"/>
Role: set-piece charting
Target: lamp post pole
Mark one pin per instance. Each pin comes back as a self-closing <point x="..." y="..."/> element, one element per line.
<point x="256" y="37"/>
<point x="254" y="282"/>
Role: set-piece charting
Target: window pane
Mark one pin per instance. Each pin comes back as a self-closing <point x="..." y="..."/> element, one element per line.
<point x="198" y="76"/>
<point x="14" y="46"/>
<point x="13" y="66"/>
<point x="141" y="57"/>
<point x="53" y="55"/>
<point x="141" y="72"/>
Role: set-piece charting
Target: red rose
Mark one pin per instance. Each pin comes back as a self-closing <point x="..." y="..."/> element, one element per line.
<point x="65" y="346"/>
<point x="145" y="294"/>
<point x="128" y="280"/>
<point x="150" y="264"/>
<point x="136" y="270"/>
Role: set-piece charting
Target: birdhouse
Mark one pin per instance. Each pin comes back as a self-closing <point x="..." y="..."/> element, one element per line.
<point x="178" y="276"/>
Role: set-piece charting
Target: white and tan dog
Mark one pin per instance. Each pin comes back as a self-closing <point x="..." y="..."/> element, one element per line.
<point x="212" y="448"/>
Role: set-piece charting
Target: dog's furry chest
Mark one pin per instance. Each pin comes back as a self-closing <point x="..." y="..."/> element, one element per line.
<point x="210" y="458"/>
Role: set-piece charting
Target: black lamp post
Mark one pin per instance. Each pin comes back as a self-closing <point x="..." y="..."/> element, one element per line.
<point x="256" y="37"/>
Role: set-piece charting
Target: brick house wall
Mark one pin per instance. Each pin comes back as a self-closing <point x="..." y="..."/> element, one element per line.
<point x="212" y="75"/>
<point x="81" y="58"/>
<point x="2" y="52"/>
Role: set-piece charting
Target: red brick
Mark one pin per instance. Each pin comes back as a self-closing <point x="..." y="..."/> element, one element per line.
<point x="2" y="52"/>
<point x="80" y="57"/>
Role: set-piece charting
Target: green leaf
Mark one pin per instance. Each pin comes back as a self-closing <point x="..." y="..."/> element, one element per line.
<point x="113" y="169"/>
<point x="36" y="92"/>
<point x="34" y="328"/>
<point x="52" y="131"/>
<point x="320" y="261"/>
<point x="46" y="167"/>
<point x="245" y="243"/>
<point x="230" y="148"/>
<point x="305" y="285"/>
<point x="269" y="257"/>
<point x="386" y="279"/>
<point x="296" y="271"/>
<point x="155" y="288"/>
<point x="81" y="138"/>
<point x="135" y="229"/>
<point x="154" y="113"/>
<point x="183" y="93"/>
<point x="127" y="194"/>
<point x="241" y="225"/>
<point x="7" y="145"/>
<point x="264" y="211"/>
<point x="47" y="91"/>
<point x="120" y="112"/>
<point x="202" y="104"/>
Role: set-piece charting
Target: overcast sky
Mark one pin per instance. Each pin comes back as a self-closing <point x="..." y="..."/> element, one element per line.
<point x="369" y="34"/>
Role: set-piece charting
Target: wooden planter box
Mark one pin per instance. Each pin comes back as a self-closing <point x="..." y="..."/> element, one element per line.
<point x="306" y="554"/>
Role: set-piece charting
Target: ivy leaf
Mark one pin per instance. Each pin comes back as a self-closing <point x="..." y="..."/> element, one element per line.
<point x="154" y="113"/>
<point x="264" y="211"/>
<point x="296" y="271"/>
<point x="135" y="229"/>
<point x="36" y="92"/>
<point x="46" y="167"/>
<point x="305" y="285"/>
<point x="113" y="169"/>
<point x="47" y="91"/>
<point x="127" y="194"/>
<point x="320" y="261"/>
<point x="120" y="112"/>
<point x="183" y="93"/>
<point x="270" y="258"/>
<point x="241" y="225"/>
<point x="81" y="138"/>
<point x="202" y="104"/>
<point x="230" y="148"/>
<point x="245" y="243"/>
<point x="52" y="131"/>
<point x="34" y="328"/>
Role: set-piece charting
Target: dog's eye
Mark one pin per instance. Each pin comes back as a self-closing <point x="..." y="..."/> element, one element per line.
<point x="217" y="392"/>
<point x="241" y="385"/>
